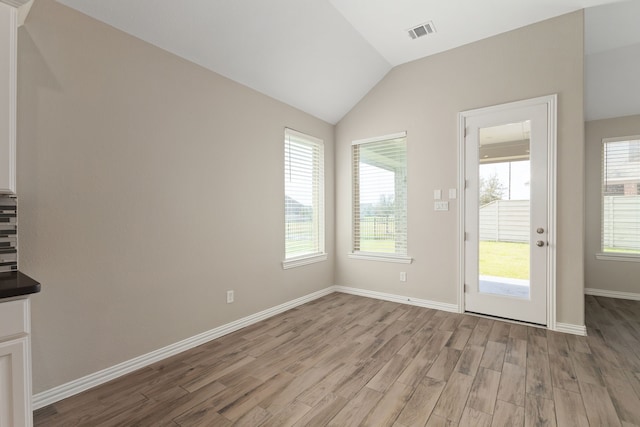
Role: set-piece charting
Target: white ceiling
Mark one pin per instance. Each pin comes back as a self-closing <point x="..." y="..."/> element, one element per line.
<point x="321" y="56"/>
<point x="458" y="22"/>
<point x="612" y="61"/>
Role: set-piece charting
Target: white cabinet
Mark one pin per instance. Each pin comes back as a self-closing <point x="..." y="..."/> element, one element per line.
<point x="8" y="83"/>
<point x="14" y="405"/>
<point x="15" y="364"/>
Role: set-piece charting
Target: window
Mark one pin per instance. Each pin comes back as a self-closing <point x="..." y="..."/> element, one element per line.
<point x="303" y="199"/>
<point x="380" y="198"/>
<point x="621" y="198"/>
<point x="634" y="152"/>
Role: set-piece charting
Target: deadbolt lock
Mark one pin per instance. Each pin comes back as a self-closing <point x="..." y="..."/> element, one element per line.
<point x="540" y="230"/>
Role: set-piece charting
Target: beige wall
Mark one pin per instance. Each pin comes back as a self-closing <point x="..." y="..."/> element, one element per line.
<point x="148" y="186"/>
<point x="602" y="274"/>
<point x="424" y="98"/>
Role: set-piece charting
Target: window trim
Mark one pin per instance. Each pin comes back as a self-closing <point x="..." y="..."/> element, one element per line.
<point x="601" y="254"/>
<point x="380" y="138"/>
<point x="321" y="255"/>
<point x="612" y="256"/>
<point x="303" y="260"/>
<point x="376" y="256"/>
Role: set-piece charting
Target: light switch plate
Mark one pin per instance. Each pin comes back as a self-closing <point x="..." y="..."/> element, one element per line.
<point x="440" y="206"/>
<point x="437" y="194"/>
<point x="453" y="193"/>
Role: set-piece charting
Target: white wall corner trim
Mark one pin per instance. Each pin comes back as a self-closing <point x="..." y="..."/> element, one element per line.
<point x="74" y="387"/>
<point x="569" y="328"/>
<point x="453" y="308"/>
<point x="612" y="294"/>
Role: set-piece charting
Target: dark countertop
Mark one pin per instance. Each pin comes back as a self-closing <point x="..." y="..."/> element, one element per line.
<point x="15" y="283"/>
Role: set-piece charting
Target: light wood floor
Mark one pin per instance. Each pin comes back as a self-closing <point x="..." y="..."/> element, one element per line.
<point x="344" y="360"/>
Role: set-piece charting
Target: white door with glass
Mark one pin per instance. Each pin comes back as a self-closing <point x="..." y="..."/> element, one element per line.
<point x="507" y="209"/>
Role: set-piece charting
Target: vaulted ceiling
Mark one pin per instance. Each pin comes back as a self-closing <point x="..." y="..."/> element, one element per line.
<point x="612" y="60"/>
<point x="321" y="56"/>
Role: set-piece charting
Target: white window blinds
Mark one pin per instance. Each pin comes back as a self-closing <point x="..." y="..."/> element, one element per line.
<point x="621" y="196"/>
<point x="304" y="195"/>
<point x="380" y="195"/>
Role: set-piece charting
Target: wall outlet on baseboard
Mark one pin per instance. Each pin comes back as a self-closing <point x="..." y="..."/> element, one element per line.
<point x="230" y="297"/>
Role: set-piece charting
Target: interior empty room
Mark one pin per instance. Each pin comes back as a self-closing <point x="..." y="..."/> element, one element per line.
<point x="320" y="212"/>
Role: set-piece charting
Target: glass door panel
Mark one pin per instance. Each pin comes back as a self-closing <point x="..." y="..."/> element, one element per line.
<point x="504" y="209"/>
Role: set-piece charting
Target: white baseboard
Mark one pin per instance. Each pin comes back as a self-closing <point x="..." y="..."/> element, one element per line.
<point x="612" y="294"/>
<point x="569" y="328"/>
<point x="71" y="388"/>
<point x="398" y="298"/>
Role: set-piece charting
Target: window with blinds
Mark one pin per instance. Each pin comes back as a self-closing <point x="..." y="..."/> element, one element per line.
<point x="380" y="195"/>
<point x="621" y="196"/>
<point x="304" y="195"/>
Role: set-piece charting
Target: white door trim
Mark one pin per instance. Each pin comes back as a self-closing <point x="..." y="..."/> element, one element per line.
<point x="551" y="102"/>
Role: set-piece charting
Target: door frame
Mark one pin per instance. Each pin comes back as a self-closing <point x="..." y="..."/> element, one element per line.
<point x="550" y="101"/>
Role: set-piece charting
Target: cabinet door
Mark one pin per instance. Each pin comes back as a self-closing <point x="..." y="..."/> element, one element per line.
<point x="15" y="402"/>
<point x="8" y="70"/>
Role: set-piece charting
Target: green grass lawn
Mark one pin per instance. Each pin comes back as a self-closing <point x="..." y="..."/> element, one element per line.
<point x="503" y="259"/>
<point x="372" y="245"/>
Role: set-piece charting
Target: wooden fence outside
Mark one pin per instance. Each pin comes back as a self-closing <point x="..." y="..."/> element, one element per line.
<point x="505" y="221"/>
<point x="508" y="221"/>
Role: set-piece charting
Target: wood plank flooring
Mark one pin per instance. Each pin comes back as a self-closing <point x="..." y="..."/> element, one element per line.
<point x="345" y="360"/>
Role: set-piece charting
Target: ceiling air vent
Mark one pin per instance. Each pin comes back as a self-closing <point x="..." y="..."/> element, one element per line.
<point x="422" y="30"/>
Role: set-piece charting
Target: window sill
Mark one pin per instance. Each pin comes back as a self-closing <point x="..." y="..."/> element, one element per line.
<point x="304" y="260"/>
<point x="608" y="256"/>
<point x="369" y="256"/>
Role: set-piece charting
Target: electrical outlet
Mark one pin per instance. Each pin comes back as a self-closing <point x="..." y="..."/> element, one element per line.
<point x="403" y="276"/>
<point x="230" y="297"/>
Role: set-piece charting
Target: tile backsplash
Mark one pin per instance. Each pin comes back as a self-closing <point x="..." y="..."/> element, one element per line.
<point x="8" y="234"/>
